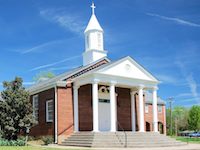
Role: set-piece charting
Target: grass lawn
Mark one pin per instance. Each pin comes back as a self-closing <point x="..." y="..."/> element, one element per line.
<point x="188" y="139"/>
<point x="28" y="148"/>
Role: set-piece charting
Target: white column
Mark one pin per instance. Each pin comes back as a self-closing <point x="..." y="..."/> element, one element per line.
<point x="133" y="110"/>
<point x="155" y="110"/>
<point x="141" y="109"/>
<point x="113" y="107"/>
<point x="76" y="120"/>
<point x="95" y="106"/>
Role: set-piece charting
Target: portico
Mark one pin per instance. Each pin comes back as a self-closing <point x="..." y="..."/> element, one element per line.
<point x="104" y="91"/>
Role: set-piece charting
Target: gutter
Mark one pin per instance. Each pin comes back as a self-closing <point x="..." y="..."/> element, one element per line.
<point x="56" y="115"/>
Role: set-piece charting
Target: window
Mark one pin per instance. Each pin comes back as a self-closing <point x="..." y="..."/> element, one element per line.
<point x="160" y="108"/>
<point x="35" y="103"/>
<point x="49" y="111"/>
<point x="146" y="108"/>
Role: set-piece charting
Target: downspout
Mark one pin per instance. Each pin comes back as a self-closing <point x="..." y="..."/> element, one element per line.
<point x="56" y="115"/>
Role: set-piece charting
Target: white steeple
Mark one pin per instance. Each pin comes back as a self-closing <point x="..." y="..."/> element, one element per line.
<point x="94" y="48"/>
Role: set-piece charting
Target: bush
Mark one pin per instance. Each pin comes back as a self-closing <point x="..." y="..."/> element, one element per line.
<point x="18" y="142"/>
<point x="47" y="140"/>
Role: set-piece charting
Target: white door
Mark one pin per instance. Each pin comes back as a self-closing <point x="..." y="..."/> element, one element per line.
<point x="104" y="115"/>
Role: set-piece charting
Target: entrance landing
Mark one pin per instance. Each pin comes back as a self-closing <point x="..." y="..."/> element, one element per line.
<point x="120" y="140"/>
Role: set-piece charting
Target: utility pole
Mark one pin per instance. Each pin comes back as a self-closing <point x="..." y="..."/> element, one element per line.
<point x="170" y="99"/>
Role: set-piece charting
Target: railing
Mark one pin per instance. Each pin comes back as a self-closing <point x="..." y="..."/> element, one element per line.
<point x="125" y="134"/>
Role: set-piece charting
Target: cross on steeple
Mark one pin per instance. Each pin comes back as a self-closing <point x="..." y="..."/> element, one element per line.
<point x="93" y="7"/>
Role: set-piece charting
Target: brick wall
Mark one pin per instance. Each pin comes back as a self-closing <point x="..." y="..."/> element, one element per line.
<point x="43" y="127"/>
<point x="85" y="108"/>
<point x="149" y="117"/>
<point x="124" y="109"/>
<point x="65" y="112"/>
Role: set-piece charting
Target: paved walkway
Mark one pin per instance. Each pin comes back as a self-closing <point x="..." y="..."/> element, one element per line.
<point x="185" y="147"/>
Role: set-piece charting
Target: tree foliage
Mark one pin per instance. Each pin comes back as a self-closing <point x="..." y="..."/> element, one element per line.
<point x="16" y="111"/>
<point x="43" y="75"/>
<point x="179" y="119"/>
<point x="194" y="118"/>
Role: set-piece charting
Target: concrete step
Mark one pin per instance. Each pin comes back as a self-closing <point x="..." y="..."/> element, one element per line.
<point x="117" y="139"/>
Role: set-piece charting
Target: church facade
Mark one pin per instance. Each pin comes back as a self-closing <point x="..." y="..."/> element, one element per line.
<point x="100" y="96"/>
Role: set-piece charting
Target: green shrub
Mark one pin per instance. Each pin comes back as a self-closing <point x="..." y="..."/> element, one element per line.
<point x="47" y="140"/>
<point x="18" y="142"/>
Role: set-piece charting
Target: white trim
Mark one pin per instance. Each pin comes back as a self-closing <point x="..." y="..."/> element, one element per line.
<point x="113" y="108"/>
<point x="95" y="106"/>
<point x="76" y="117"/>
<point x="47" y="111"/>
<point x="155" y="111"/>
<point x="47" y="87"/>
<point x="105" y="79"/>
<point x="33" y="105"/>
<point x="141" y="109"/>
<point x="133" y="120"/>
<point x="56" y="115"/>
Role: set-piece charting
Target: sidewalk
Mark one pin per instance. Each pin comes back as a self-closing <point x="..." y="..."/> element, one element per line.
<point x="185" y="147"/>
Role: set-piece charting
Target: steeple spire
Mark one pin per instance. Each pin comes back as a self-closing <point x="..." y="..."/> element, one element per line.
<point x="94" y="48"/>
<point x="93" y="7"/>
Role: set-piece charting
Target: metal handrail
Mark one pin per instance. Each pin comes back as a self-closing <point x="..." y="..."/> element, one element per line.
<point x="125" y="134"/>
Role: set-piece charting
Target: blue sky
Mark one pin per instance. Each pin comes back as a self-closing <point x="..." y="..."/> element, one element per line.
<point x="163" y="36"/>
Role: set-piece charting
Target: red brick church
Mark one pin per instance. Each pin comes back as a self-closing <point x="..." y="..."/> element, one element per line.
<point x="99" y="96"/>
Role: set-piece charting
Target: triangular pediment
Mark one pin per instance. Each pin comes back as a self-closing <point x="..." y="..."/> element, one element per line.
<point x="129" y="68"/>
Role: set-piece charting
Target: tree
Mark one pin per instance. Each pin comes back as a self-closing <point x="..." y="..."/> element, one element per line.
<point x="194" y="118"/>
<point x="16" y="111"/>
<point x="180" y="117"/>
<point x="43" y="75"/>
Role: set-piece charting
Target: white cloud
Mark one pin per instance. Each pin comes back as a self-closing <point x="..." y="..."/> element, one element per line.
<point x="192" y="84"/>
<point x="183" y="95"/>
<point x="41" y="46"/>
<point x="166" y="78"/>
<point x="176" y="20"/>
<point x="54" y="63"/>
<point x="66" y="20"/>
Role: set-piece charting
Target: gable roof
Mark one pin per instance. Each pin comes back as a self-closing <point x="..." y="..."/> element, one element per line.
<point x="68" y="75"/>
<point x="95" y="67"/>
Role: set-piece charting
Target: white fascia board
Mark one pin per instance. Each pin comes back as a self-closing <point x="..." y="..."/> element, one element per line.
<point x="83" y="80"/>
<point x="46" y="87"/>
<point x="125" y="81"/>
<point x="121" y="81"/>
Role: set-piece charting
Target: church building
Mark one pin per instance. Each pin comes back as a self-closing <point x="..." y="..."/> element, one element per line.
<point x="99" y="96"/>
